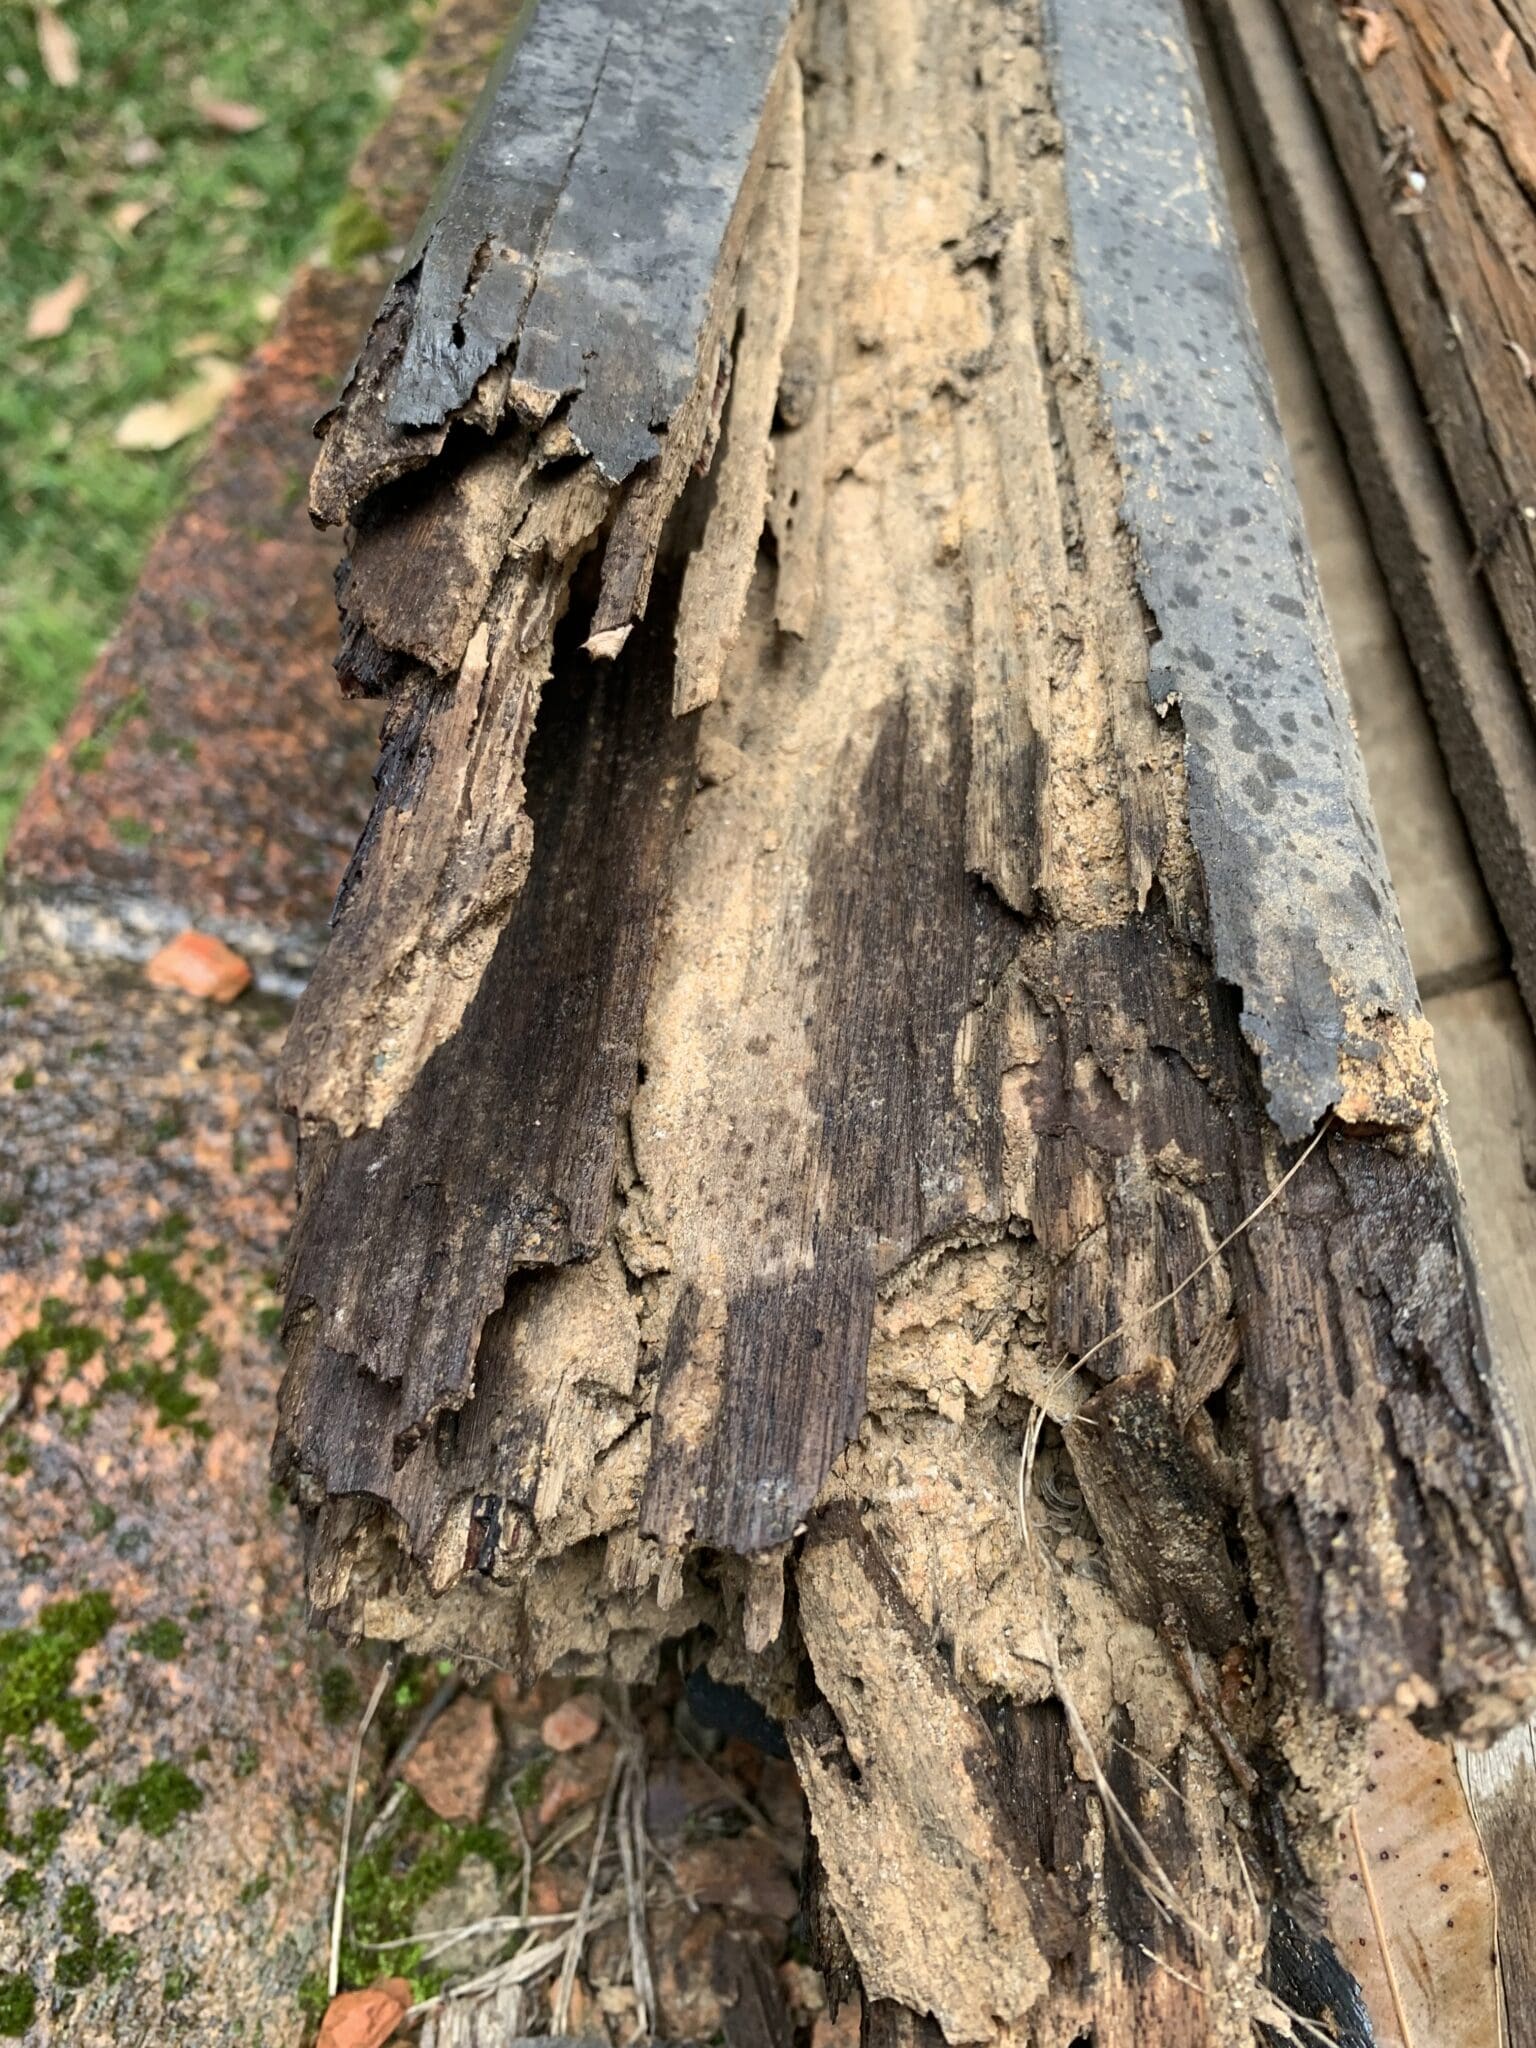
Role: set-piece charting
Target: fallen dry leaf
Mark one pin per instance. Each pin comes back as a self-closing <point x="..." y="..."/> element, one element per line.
<point x="165" y="421"/>
<point x="1424" y="1863"/>
<point x="57" y="47"/>
<point x="1377" y="34"/>
<point x="574" y="1724"/>
<point x="364" y="2019"/>
<point x="199" y="965"/>
<point x="128" y="213"/>
<point x="235" y="117"/>
<point x="451" y="1766"/>
<point x="49" y="315"/>
<point x="140" y="150"/>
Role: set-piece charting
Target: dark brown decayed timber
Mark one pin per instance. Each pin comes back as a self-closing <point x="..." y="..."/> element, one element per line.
<point x="981" y="962"/>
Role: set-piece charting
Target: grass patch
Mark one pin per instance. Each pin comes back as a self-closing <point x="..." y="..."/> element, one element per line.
<point x="388" y="1886"/>
<point x="224" y="218"/>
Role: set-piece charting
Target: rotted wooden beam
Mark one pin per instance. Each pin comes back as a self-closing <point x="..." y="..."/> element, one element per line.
<point x="975" y="1018"/>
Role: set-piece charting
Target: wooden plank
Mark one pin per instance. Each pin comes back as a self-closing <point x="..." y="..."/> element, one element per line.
<point x="1489" y="1063"/>
<point x="1278" y="805"/>
<point x="568" y="307"/>
<point x="1434" y="139"/>
<point x="937" y="1092"/>
<point x="573" y="253"/>
<point x="1482" y="717"/>
<point x="502" y="1157"/>
<point x="1437" y="1922"/>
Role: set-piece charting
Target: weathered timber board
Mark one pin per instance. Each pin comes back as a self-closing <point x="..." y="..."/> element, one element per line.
<point x="1295" y="878"/>
<point x="1482" y="718"/>
<point x="937" y="1084"/>
<point x="576" y="244"/>
<point x="1437" y="143"/>
<point x="864" y="1066"/>
<point x="503" y="1155"/>
<point x="569" y="310"/>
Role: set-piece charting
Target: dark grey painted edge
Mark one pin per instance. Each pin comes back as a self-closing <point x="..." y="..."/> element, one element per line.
<point x="579" y="230"/>
<point x="1302" y="914"/>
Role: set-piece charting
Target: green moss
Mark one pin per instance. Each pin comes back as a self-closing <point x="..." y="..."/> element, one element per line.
<point x="154" y="1282"/>
<point x="387" y="1887"/>
<point x="339" y="1698"/>
<point x="55" y="1330"/>
<point x="92" y="753"/>
<point x="128" y="831"/>
<point x="45" y="1833"/>
<point x="17" y="1462"/>
<point x="357" y="230"/>
<point x="529" y="1782"/>
<point x="92" y="1953"/>
<point x="37" y="1668"/>
<point x="23" y="1888"/>
<point x="159" y="1797"/>
<point x="247" y="1760"/>
<point x="18" y="2004"/>
<point x="256" y="1889"/>
<point x="25" y="1079"/>
<point x="176" y="1984"/>
<point x="163" y="1638"/>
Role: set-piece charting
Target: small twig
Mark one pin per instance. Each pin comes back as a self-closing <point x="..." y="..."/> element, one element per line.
<point x="450" y="1937"/>
<point x="525" y="1882"/>
<point x="443" y="1698"/>
<point x="576" y="1940"/>
<point x="527" y="1964"/>
<point x="1037" y="1419"/>
<point x="1162" y="1963"/>
<point x="632" y="1857"/>
<point x="383" y="1817"/>
<point x="339" y="1909"/>
<point x="1394" y="1989"/>
<point x="1177" y="1638"/>
<point x="563" y="1836"/>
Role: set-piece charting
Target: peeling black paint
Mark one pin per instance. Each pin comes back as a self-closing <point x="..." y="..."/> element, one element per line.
<point x="578" y="231"/>
<point x="1303" y="917"/>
